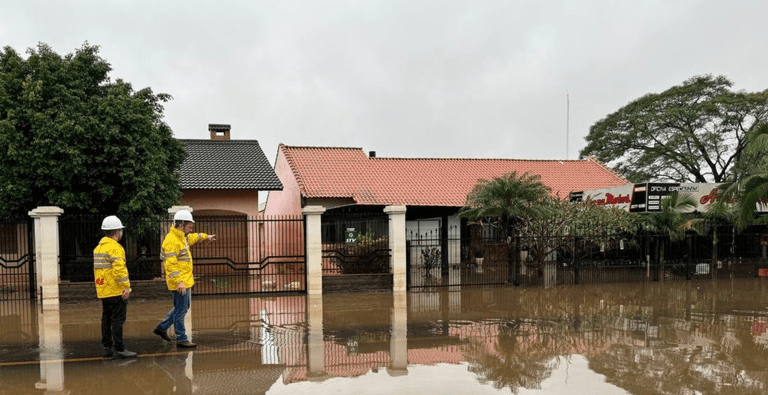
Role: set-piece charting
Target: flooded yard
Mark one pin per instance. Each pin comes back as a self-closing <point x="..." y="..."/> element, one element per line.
<point x="694" y="337"/>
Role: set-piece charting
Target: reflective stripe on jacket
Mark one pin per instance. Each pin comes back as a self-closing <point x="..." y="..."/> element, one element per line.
<point x="109" y="271"/>
<point x="177" y="258"/>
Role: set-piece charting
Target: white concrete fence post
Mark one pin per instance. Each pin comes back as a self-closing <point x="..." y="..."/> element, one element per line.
<point x="397" y="246"/>
<point x="314" y="248"/>
<point x="47" y="254"/>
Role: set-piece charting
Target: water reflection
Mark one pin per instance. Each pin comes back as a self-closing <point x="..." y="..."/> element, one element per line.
<point x="682" y="338"/>
<point x="51" y="353"/>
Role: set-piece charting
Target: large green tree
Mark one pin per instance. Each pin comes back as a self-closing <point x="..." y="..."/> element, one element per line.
<point x="693" y="132"/>
<point x="73" y="138"/>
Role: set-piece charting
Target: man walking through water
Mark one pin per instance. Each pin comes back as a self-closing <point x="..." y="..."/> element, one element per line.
<point x="112" y="287"/>
<point x="177" y="259"/>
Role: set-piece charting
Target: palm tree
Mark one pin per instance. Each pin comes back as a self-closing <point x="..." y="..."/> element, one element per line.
<point x="672" y="220"/>
<point x="502" y="201"/>
<point x="505" y="198"/>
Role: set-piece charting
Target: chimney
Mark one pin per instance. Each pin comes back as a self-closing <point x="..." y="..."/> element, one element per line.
<point x="219" y="131"/>
<point x="371" y="154"/>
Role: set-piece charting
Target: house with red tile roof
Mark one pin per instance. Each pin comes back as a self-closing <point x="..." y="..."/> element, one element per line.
<point x="337" y="177"/>
<point x="432" y="189"/>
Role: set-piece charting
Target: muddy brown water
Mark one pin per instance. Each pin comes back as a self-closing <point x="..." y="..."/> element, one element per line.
<point x="695" y="337"/>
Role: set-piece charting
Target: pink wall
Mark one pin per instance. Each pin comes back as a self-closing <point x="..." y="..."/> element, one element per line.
<point x="222" y="202"/>
<point x="287" y="201"/>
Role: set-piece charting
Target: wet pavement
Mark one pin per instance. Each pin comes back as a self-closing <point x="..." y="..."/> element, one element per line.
<point x="696" y="337"/>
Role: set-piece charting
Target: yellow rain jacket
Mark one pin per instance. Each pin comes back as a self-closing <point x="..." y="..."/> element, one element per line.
<point x="177" y="258"/>
<point x="109" y="271"/>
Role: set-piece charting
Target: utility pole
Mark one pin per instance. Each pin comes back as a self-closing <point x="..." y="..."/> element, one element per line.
<point x="567" y="121"/>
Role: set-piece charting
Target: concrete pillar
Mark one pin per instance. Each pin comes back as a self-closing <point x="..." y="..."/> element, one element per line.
<point x="315" y="343"/>
<point x="398" y="342"/>
<point x="47" y="254"/>
<point x="314" y="249"/>
<point x="397" y="246"/>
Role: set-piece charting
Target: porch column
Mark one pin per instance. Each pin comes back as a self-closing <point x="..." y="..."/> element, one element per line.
<point x="47" y="254"/>
<point x="314" y="248"/>
<point x="397" y="246"/>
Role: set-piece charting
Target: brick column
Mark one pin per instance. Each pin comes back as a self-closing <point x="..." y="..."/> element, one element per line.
<point x="397" y="246"/>
<point x="314" y="248"/>
<point x="47" y="254"/>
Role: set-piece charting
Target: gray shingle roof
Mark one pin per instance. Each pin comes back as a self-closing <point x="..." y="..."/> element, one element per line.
<point x="227" y="164"/>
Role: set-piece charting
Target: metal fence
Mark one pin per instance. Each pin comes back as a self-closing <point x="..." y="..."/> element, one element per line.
<point x="250" y="255"/>
<point x="355" y="243"/>
<point x="467" y="258"/>
<point x="17" y="268"/>
<point x="80" y="234"/>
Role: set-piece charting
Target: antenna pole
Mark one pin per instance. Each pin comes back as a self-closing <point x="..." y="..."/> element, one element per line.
<point x="567" y="121"/>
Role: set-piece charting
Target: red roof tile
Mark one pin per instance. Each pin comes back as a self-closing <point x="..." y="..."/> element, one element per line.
<point x="332" y="172"/>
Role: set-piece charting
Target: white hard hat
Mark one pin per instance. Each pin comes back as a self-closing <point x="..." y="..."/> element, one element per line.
<point x="183" y="215"/>
<point x="111" y="223"/>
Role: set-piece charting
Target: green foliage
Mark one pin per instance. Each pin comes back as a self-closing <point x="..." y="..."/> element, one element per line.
<point x="503" y="200"/>
<point x="557" y="222"/>
<point x="73" y="138"/>
<point x="523" y="206"/>
<point x="752" y="187"/>
<point x="694" y="132"/>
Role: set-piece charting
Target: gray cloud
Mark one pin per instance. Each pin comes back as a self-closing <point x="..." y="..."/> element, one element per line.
<point x="404" y="78"/>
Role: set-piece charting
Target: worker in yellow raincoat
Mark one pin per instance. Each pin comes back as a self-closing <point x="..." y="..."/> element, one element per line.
<point x="112" y="287"/>
<point x="177" y="260"/>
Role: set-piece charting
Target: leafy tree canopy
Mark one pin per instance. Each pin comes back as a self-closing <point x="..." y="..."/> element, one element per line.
<point x="694" y="132"/>
<point x="73" y="138"/>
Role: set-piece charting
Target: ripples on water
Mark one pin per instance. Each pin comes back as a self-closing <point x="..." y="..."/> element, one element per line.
<point x="671" y="338"/>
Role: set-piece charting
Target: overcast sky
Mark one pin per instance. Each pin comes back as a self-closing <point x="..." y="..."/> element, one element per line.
<point x="438" y="78"/>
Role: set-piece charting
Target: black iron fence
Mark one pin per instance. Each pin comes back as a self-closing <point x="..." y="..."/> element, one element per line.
<point x="355" y="243"/>
<point x="80" y="234"/>
<point x="17" y="268"/>
<point x="461" y="259"/>
<point x="250" y="255"/>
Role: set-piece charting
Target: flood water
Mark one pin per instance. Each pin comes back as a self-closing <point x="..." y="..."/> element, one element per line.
<point x="695" y="337"/>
